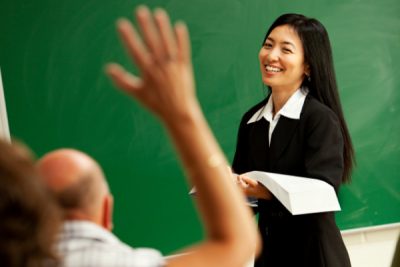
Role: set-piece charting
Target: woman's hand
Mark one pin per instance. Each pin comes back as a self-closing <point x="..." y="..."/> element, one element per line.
<point x="253" y="188"/>
<point x="166" y="83"/>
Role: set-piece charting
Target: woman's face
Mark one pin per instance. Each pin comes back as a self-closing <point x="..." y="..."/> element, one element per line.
<point x="282" y="59"/>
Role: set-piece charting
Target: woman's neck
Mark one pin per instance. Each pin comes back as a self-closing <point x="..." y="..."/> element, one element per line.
<point x="279" y="98"/>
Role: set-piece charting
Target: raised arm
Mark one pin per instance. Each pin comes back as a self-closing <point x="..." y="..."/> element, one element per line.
<point x="166" y="87"/>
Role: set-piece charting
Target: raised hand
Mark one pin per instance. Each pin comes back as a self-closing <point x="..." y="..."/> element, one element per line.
<point x="162" y="56"/>
<point x="166" y="87"/>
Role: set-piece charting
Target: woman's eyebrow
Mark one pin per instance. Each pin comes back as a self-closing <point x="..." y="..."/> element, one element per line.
<point x="289" y="43"/>
<point x="284" y="42"/>
<point x="270" y="39"/>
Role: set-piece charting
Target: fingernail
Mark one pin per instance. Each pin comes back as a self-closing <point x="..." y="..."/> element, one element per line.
<point x="121" y="21"/>
<point x="142" y="9"/>
<point x="159" y="11"/>
<point x="109" y="67"/>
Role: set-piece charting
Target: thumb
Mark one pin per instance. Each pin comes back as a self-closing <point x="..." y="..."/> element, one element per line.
<point x="249" y="181"/>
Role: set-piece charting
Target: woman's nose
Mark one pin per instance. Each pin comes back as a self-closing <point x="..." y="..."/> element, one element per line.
<point x="273" y="55"/>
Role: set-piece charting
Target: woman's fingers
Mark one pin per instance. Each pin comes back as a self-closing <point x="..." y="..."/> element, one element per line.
<point x="253" y="188"/>
<point x="242" y="184"/>
<point x="249" y="181"/>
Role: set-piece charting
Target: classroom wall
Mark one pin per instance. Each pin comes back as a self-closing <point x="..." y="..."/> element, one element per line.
<point x="372" y="246"/>
<point x="368" y="247"/>
<point x="52" y="55"/>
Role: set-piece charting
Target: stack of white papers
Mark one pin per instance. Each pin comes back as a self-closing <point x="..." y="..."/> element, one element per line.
<point x="299" y="195"/>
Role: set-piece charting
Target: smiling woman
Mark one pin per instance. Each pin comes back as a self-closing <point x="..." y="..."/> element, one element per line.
<point x="307" y="136"/>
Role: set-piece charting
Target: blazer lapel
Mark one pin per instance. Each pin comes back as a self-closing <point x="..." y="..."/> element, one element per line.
<point x="281" y="136"/>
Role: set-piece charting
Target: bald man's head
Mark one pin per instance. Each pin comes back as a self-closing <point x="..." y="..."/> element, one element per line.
<point x="78" y="184"/>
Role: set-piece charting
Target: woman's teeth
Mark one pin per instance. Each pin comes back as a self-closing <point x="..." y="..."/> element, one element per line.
<point x="273" y="69"/>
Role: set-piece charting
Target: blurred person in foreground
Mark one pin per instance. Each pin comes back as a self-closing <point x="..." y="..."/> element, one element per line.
<point x="29" y="219"/>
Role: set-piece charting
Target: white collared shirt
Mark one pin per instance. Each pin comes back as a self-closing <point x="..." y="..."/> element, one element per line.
<point x="291" y="109"/>
<point x="85" y="244"/>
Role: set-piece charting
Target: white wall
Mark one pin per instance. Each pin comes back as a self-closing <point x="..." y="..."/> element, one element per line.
<point x="372" y="246"/>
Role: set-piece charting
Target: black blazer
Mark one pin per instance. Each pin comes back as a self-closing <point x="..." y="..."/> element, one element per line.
<point x="310" y="147"/>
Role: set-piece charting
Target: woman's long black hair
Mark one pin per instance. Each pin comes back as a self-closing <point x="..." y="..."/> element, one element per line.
<point x="322" y="82"/>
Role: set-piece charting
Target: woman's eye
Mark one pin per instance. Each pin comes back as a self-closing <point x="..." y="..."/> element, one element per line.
<point x="286" y="50"/>
<point x="267" y="45"/>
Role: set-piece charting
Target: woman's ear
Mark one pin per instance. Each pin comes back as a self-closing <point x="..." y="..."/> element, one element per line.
<point x="307" y="70"/>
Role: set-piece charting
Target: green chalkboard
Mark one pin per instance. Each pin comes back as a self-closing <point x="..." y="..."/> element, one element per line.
<point x="52" y="55"/>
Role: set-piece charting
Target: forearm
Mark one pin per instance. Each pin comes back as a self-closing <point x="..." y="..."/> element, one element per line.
<point x="222" y="207"/>
<point x="206" y="169"/>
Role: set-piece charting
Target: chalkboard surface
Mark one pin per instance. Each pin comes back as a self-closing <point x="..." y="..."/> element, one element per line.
<point x="52" y="55"/>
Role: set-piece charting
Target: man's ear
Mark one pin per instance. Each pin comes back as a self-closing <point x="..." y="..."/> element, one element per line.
<point x="108" y="205"/>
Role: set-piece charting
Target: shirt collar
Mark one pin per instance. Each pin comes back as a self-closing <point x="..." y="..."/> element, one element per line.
<point x="291" y="109"/>
<point x="87" y="230"/>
